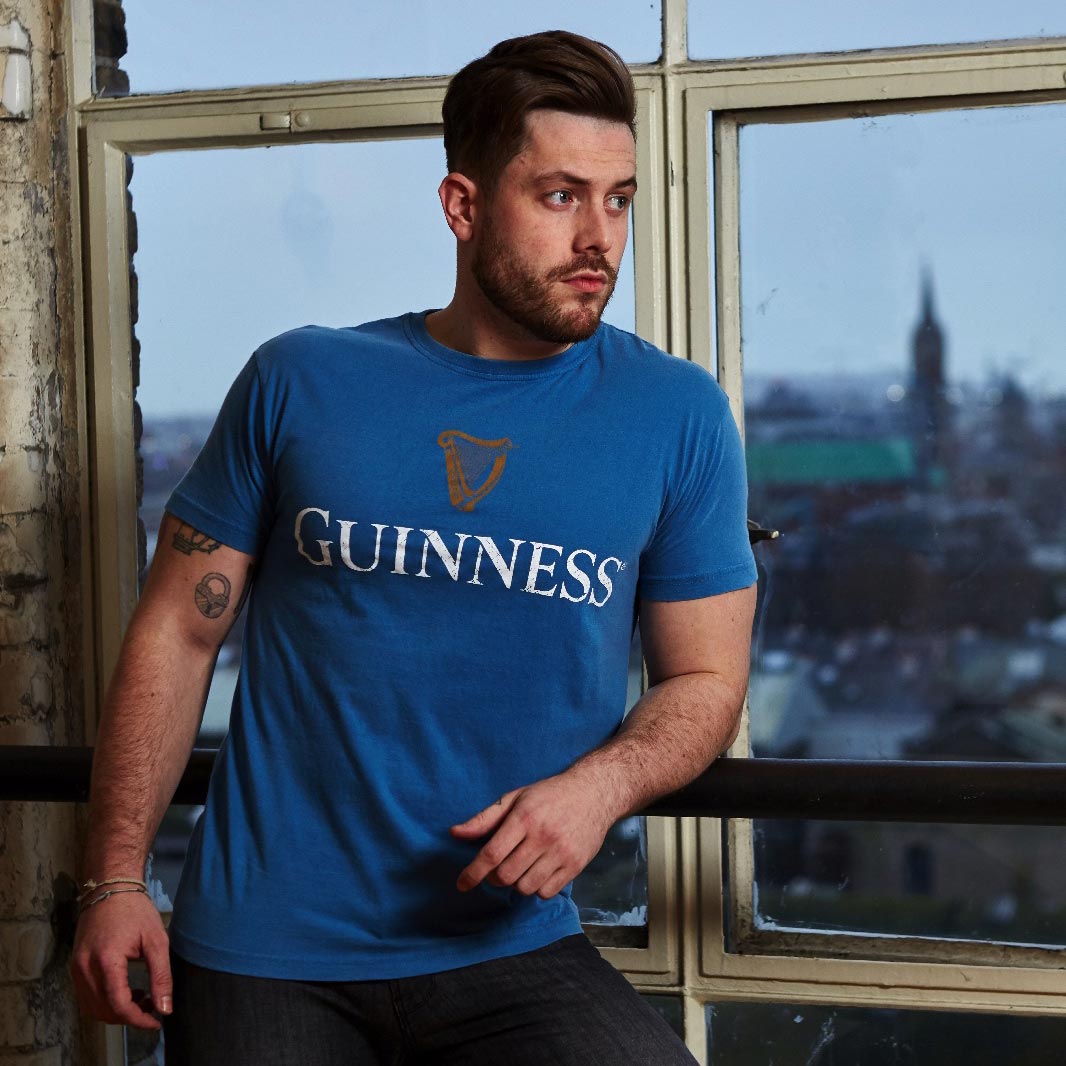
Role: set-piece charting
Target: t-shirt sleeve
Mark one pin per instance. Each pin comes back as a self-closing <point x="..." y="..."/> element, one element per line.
<point x="700" y="545"/>
<point x="228" y="492"/>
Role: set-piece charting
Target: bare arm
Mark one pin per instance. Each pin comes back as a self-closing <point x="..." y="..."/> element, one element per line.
<point x="151" y="716"/>
<point x="156" y="698"/>
<point x="697" y="653"/>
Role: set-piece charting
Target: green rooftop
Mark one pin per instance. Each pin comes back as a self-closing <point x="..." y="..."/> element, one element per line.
<point x="821" y="462"/>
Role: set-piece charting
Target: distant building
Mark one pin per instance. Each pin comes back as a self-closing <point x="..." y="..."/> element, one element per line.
<point x="823" y="480"/>
<point x="929" y="409"/>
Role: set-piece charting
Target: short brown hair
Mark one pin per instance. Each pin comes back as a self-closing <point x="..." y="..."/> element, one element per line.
<point x="487" y="102"/>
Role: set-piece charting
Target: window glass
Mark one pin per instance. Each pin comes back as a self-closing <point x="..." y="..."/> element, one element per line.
<point x="613" y="889"/>
<point x="203" y="45"/>
<point x="723" y="29"/>
<point x="1002" y="883"/>
<point x="804" y="1034"/>
<point x="235" y="246"/>
<point x="670" y="1008"/>
<point x="905" y="416"/>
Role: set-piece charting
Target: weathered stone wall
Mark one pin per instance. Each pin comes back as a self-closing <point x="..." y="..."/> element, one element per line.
<point x="41" y="515"/>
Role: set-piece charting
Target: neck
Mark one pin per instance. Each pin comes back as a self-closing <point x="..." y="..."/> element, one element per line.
<point x="471" y="324"/>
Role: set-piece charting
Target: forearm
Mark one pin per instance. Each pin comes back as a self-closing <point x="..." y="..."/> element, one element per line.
<point x="670" y="736"/>
<point x="147" y="731"/>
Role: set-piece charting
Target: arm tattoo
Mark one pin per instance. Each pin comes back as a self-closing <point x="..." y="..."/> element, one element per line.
<point x="188" y="540"/>
<point x="244" y="592"/>
<point x="211" y="595"/>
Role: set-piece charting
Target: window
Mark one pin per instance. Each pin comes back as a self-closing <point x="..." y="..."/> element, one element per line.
<point x="865" y="247"/>
<point x="797" y="1034"/>
<point x="721" y="29"/>
<point x="202" y="45"/>
<point x="902" y="391"/>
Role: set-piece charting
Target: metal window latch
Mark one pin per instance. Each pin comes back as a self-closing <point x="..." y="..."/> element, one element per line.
<point x="275" y="120"/>
<point x="286" y="120"/>
<point x="757" y="533"/>
<point x="16" y="88"/>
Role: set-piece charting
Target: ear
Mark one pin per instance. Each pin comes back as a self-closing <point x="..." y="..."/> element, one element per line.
<point x="459" y="198"/>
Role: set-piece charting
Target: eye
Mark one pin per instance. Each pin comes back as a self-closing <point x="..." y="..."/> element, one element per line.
<point x="619" y="201"/>
<point x="561" y="197"/>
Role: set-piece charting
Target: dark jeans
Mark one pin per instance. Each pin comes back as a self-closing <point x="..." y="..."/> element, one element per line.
<point x="561" y="1005"/>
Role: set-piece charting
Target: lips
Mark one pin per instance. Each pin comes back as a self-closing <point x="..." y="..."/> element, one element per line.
<point x="587" y="282"/>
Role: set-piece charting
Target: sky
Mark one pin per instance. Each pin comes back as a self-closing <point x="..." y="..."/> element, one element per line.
<point x="837" y="218"/>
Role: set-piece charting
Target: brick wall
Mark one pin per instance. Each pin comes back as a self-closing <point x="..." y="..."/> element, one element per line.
<point x="41" y="514"/>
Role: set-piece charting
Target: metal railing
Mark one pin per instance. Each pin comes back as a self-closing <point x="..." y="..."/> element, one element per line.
<point x="1002" y="793"/>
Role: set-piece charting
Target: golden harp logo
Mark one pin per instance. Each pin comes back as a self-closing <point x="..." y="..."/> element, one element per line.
<point x="474" y="466"/>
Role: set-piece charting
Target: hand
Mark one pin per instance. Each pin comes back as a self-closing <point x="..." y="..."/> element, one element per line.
<point x="544" y="835"/>
<point x="123" y="927"/>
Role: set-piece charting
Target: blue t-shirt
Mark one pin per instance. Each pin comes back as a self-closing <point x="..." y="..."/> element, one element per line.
<point x="451" y="552"/>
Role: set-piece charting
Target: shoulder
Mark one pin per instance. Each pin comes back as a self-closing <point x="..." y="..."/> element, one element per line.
<point x="296" y="347"/>
<point x="663" y="380"/>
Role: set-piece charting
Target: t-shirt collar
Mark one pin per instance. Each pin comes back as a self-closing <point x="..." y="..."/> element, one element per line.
<point x="415" y="326"/>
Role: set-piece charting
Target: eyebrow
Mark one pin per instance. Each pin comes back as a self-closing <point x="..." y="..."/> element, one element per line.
<point x="566" y="178"/>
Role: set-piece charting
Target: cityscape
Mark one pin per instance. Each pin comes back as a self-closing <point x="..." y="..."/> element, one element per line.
<point x="914" y="607"/>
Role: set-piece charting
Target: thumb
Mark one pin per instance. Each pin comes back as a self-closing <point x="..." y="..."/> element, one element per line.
<point x="157" y="957"/>
<point x="486" y="820"/>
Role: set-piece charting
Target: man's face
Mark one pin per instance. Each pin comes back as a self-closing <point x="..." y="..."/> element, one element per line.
<point x="548" y="244"/>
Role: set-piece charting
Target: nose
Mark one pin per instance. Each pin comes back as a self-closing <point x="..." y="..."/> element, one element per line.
<point x="594" y="232"/>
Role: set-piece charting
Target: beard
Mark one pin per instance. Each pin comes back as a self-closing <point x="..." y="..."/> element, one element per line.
<point x="529" y="299"/>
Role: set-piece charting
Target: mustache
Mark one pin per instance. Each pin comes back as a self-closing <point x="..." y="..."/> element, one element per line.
<point x="593" y="263"/>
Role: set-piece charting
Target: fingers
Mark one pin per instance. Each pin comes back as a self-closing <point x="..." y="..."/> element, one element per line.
<point x="539" y="843"/>
<point x="105" y="942"/>
<point x="530" y="869"/>
<point x="523" y="856"/>
<point x="90" y="987"/>
<point x="498" y="848"/>
<point x="543" y="870"/>
<point x="488" y="819"/>
<point x="157" y="956"/>
<point x="556" y="883"/>
<point x="112" y="976"/>
<point x="518" y="864"/>
<point x="539" y="876"/>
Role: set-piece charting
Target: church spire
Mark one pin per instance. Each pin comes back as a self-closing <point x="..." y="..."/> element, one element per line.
<point x="929" y="411"/>
<point x="928" y="346"/>
<point x="928" y="314"/>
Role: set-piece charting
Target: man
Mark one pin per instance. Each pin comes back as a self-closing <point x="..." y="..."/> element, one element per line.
<point x="454" y="519"/>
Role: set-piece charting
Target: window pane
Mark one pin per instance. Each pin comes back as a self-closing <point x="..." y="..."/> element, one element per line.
<point x="754" y="1034"/>
<point x="613" y="889"/>
<point x="203" y="45"/>
<point x="999" y="883"/>
<point x="906" y="431"/>
<point x="235" y="246"/>
<point x="670" y="1008"/>
<point x="722" y="29"/>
